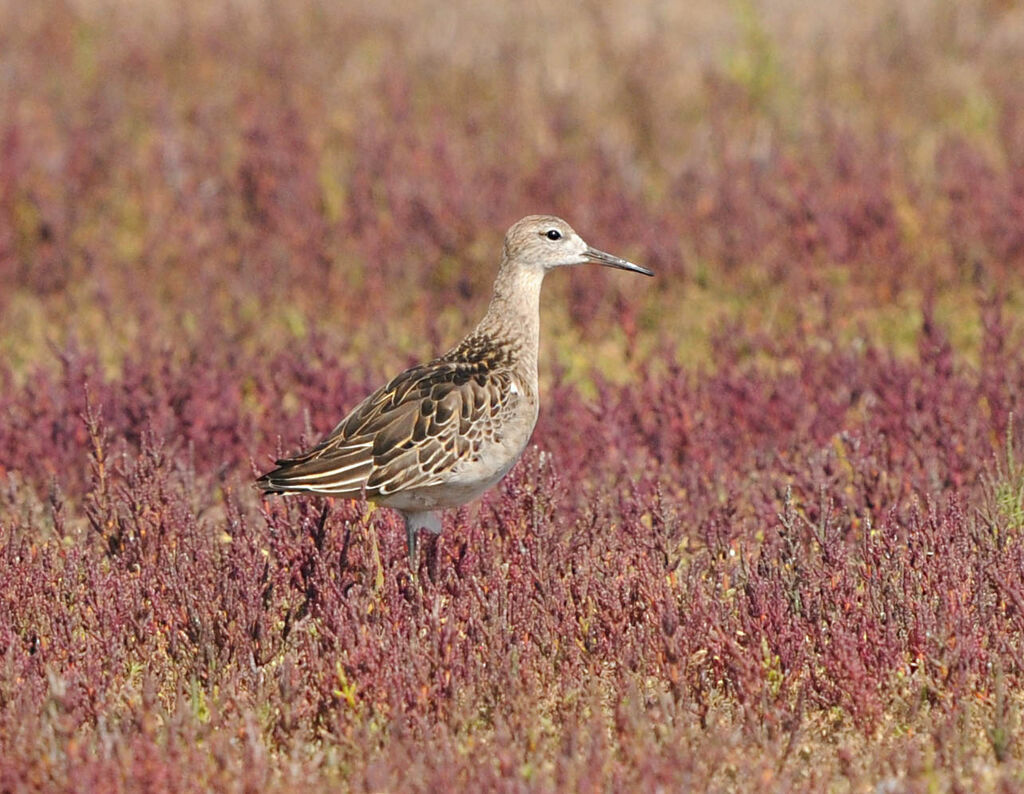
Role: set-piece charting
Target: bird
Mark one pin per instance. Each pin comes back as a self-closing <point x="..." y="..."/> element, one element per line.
<point x="440" y="434"/>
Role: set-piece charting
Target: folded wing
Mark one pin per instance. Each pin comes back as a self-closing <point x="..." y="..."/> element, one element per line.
<point x="408" y="434"/>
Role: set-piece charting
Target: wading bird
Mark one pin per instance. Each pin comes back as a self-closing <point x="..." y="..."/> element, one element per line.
<point x="440" y="434"/>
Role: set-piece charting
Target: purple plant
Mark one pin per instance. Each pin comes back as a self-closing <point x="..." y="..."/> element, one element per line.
<point x="772" y="543"/>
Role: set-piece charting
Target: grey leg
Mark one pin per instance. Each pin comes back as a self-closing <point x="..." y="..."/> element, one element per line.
<point x="414" y="522"/>
<point x="411" y="532"/>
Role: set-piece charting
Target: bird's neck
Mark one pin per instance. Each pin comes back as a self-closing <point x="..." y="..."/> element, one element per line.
<point x="513" y="317"/>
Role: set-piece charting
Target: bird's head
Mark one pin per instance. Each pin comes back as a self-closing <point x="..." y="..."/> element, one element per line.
<point x="545" y="242"/>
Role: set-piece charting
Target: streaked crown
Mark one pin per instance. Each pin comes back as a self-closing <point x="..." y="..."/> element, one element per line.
<point x="545" y="242"/>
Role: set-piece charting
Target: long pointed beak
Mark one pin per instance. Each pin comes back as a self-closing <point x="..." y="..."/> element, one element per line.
<point x="601" y="258"/>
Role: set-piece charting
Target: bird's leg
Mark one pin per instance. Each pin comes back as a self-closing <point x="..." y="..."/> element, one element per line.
<point x="414" y="522"/>
<point x="411" y="531"/>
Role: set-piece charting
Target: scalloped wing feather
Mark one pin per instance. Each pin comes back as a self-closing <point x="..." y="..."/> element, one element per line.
<point x="407" y="434"/>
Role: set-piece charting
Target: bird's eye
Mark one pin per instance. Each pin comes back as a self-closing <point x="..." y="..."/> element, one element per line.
<point x="553" y="234"/>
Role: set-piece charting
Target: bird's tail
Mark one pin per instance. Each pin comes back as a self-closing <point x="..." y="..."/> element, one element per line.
<point x="317" y="475"/>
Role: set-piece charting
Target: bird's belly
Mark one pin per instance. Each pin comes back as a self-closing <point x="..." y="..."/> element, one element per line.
<point x="469" y="478"/>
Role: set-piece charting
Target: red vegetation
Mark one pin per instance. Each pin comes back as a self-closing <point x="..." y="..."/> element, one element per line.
<point x="771" y="535"/>
<point x="732" y="554"/>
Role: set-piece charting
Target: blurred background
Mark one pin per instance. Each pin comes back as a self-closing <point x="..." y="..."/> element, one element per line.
<point x="261" y="171"/>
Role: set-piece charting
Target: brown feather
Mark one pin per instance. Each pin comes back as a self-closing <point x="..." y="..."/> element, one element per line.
<point x="423" y="422"/>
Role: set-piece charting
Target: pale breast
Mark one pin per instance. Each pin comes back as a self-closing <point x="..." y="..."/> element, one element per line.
<point x="496" y="442"/>
<point x="501" y="441"/>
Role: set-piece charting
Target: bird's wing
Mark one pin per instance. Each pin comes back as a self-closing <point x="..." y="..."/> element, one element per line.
<point x="405" y="435"/>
